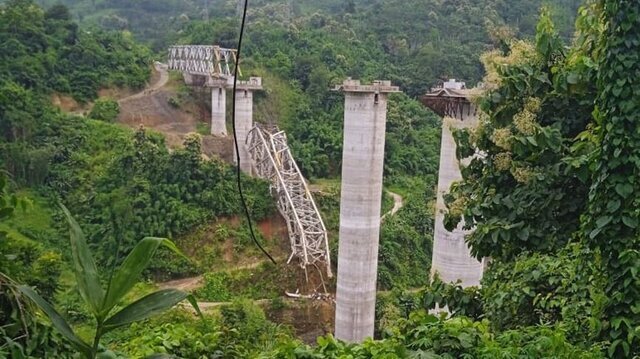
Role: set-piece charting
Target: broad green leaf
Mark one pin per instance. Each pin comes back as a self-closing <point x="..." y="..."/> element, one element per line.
<point x="603" y="221"/>
<point x="573" y="78"/>
<point x="614" y="345"/>
<point x="145" y="307"/>
<point x="84" y="266"/>
<point x="129" y="272"/>
<point x="624" y="189"/>
<point x="630" y="222"/>
<point x="56" y="319"/>
<point x="194" y="303"/>
<point x="613" y="205"/>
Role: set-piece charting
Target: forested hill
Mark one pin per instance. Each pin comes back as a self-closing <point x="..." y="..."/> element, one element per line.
<point x="553" y="200"/>
<point x="424" y="40"/>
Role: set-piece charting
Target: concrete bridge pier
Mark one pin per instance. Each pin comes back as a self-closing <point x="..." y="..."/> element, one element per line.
<point x="365" y="114"/>
<point x="218" y="108"/>
<point x="452" y="259"/>
<point x="244" y="118"/>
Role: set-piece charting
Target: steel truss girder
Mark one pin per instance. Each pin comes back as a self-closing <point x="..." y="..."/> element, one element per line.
<point x="203" y="60"/>
<point x="272" y="160"/>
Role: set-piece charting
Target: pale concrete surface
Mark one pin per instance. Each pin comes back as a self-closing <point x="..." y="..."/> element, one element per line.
<point x="365" y="114"/>
<point x="451" y="256"/>
<point x="244" y="124"/>
<point x="244" y="119"/>
<point x="218" y="111"/>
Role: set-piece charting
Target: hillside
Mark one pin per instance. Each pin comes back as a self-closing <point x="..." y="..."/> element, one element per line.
<point x="435" y="40"/>
<point x="550" y="188"/>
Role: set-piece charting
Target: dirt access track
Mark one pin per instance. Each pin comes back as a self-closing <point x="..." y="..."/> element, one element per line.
<point x="150" y="108"/>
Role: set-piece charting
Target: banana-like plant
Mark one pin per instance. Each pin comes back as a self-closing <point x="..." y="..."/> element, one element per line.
<point x="102" y="302"/>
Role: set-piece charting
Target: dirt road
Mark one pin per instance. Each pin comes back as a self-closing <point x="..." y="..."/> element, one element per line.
<point x="398" y="202"/>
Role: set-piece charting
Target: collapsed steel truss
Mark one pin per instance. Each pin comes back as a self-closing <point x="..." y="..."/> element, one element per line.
<point x="203" y="60"/>
<point x="273" y="161"/>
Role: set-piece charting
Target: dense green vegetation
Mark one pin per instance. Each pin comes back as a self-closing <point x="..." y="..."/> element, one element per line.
<point x="418" y="47"/>
<point x="420" y="335"/>
<point x="105" y="110"/>
<point x="554" y="181"/>
<point x="120" y="185"/>
<point x="552" y="198"/>
<point x="46" y="51"/>
<point x="300" y="64"/>
<point x="610" y="224"/>
<point x="120" y="181"/>
<point x="103" y="302"/>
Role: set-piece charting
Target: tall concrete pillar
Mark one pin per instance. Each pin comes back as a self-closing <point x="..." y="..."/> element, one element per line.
<point x="218" y="111"/>
<point x="365" y="114"/>
<point x="452" y="258"/>
<point x="244" y="118"/>
<point x="244" y="123"/>
<point x="218" y="105"/>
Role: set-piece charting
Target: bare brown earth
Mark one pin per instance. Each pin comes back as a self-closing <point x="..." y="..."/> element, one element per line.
<point x="150" y="108"/>
<point x="68" y="104"/>
<point x="153" y="111"/>
<point x="398" y="202"/>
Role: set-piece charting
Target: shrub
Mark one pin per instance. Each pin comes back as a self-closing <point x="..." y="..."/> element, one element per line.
<point x="215" y="287"/>
<point x="539" y="288"/>
<point x="105" y="109"/>
<point x="173" y="102"/>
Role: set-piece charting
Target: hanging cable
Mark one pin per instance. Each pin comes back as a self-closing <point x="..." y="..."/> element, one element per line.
<point x="235" y="136"/>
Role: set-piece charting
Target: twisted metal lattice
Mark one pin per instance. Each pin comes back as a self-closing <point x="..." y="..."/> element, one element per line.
<point x="273" y="161"/>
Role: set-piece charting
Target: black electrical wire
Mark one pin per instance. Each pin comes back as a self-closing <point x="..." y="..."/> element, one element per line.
<point x="235" y="136"/>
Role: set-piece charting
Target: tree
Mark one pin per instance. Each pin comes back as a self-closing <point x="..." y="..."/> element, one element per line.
<point x="58" y="12"/>
<point x="524" y="193"/>
<point x="105" y="109"/>
<point x="612" y="221"/>
<point x="350" y="7"/>
<point x="102" y="302"/>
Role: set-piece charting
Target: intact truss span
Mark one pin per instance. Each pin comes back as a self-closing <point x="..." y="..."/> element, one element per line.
<point x="204" y="60"/>
<point x="273" y="161"/>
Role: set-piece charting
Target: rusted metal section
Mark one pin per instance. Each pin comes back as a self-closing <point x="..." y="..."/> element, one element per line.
<point x="451" y="99"/>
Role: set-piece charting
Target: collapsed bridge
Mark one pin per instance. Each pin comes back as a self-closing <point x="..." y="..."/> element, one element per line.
<point x="273" y="161"/>
<point x="263" y="153"/>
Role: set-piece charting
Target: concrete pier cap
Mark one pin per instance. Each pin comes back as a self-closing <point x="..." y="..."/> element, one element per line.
<point x="217" y="82"/>
<point x="253" y="84"/>
<point x="377" y="86"/>
<point x="365" y="116"/>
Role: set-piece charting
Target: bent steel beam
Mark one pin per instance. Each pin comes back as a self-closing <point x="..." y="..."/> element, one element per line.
<point x="273" y="161"/>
